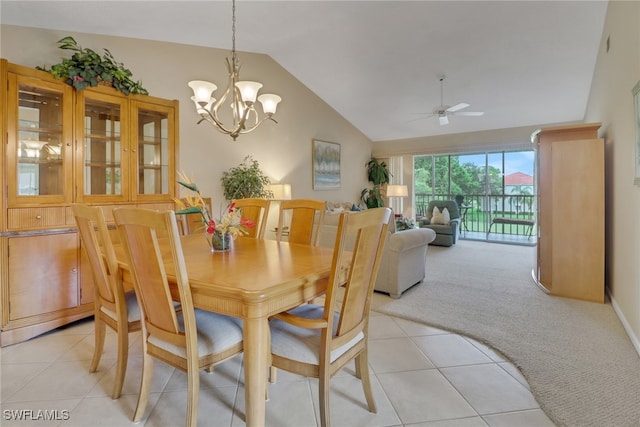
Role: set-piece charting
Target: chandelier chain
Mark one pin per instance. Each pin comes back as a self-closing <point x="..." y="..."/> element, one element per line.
<point x="233" y="27"/>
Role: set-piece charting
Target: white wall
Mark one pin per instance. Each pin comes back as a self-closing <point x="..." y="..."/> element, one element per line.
<point x="283" y="150"/>
<point x="611" y="103"/>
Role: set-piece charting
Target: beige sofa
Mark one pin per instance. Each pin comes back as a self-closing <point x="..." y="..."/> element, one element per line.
<point x="403" y="259"/>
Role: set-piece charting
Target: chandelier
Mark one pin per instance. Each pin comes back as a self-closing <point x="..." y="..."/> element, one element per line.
<point x="239" y="95"/>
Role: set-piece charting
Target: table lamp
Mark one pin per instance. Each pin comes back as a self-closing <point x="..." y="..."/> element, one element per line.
<point x="394" y="190"/>
<point x="281" y="191"/>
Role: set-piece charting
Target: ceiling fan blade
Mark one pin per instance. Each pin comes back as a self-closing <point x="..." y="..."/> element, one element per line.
<point x="421" y="116"/>
<point x="457" y="107"/>
<point x="443" y="120"/>
<point x="470" y="113"/>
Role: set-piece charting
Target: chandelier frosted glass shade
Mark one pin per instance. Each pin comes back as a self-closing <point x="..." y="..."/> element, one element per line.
<point x="269" y="102"/>
<point x="249" y="91"/>
<point x="202" y="91"/>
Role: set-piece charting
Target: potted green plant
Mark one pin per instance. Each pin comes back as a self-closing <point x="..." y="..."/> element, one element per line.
<point x="87" y="68"/>
<point x="378" y="174"/>
<point x="246" y="180"/>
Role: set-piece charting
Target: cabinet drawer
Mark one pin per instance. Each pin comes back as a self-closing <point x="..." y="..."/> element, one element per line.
<point x="29" y="218"/>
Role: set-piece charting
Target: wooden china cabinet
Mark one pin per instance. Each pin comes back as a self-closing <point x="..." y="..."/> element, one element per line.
<point x="98" y="147"/>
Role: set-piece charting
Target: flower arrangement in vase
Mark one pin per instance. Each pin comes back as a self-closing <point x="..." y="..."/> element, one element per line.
<point x="219" y="233"/>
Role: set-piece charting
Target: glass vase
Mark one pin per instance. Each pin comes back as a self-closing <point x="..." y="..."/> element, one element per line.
<point x="220" y="242"/>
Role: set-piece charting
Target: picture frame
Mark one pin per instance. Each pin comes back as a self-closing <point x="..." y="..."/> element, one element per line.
<point x="636" y="103"/>
<point x="326" y="165"/>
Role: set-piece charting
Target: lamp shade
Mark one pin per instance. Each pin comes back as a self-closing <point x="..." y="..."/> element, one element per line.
<point x="269" y="102"/>
<point x="281" y="191"/>
<point x="202" y="91"/>
<point x="248" y="90"/>
<point x="397" y="191"/>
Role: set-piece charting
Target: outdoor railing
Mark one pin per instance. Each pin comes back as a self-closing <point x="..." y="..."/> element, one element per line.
<point x="478" y="211"/>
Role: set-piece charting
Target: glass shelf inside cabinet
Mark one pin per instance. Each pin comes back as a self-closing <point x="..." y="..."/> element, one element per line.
<point x="153" y="152"/>
<point x="39" y="150"/>
<point x="102" y="149"/>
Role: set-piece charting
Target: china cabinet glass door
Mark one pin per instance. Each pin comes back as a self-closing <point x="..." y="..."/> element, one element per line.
<point x="155" y="126"/>
<point x="103" y="131"/>
<point x="39" y="146"/>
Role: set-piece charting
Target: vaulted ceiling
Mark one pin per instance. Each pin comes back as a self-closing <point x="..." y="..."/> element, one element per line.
<point x="377" y="62"/>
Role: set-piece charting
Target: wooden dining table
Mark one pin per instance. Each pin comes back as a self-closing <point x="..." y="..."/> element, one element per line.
<point x="253" y="281"/>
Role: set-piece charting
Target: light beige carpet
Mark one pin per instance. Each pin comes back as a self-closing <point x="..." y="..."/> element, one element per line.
<point x="576" y="356"/>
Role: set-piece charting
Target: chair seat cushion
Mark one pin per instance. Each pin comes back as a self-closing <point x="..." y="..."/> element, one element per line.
<point x="301" y="344"/>
<point x="216" y="333"/>
<point x="133" y="311"/>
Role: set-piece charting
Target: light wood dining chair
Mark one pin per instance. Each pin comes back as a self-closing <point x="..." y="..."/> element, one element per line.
<point x="319" y="340"/>
<point x="113" y="306"/>
<point x="192" y="222"/>
<point x="255" y="210"/>
<point x="189" y="339"/>
<point x="303" y="214"/>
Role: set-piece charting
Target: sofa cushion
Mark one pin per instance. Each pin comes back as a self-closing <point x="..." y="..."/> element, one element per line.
<point x="338" y="207"/>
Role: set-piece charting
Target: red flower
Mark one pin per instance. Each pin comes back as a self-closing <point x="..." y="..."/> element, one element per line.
<point x="231" y="206"/>
<point x="78" y="79"/>
<point x="212" y="227"/>
<point x="247" y="223"/>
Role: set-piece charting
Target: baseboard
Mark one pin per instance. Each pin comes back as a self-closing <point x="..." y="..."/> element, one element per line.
<point x="634" y="339"/>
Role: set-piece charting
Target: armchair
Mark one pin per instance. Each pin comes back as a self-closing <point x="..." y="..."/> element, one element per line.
<point x="446" y="234"/>
<point x="403" y="262"/>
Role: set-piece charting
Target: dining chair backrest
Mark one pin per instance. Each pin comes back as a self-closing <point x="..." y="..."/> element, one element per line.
<point x="354" y="268"/>
<point x="256" y="211"/>
<point x="140" y="233"/>
<point x="306" y="219"/>
<point x="193" y="222"/>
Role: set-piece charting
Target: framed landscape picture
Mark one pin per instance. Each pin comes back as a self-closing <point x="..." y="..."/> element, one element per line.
<point x="326" y="165"/>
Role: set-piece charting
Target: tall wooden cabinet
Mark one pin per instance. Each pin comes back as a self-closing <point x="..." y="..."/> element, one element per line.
<point x="61" y="147"/>
<point x="571" y="214"/>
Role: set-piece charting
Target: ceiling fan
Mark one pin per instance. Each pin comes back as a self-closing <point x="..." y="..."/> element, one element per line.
<point x="444" y="111"/>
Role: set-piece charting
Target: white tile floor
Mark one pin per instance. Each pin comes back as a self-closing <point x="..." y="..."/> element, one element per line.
<point x="422" y="377"/>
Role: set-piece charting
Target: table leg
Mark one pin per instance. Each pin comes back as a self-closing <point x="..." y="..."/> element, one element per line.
<point x="256" y="337"/>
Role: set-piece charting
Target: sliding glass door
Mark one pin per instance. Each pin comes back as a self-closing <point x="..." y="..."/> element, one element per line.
<point x="486" y="186"/>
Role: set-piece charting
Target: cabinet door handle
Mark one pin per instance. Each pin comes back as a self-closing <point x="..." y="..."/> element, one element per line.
<point x="73" y="270"/>
<point x="38" y="216"/>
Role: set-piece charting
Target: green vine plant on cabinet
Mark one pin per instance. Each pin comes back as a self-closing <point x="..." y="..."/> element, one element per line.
<point x="87" y="68"/>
